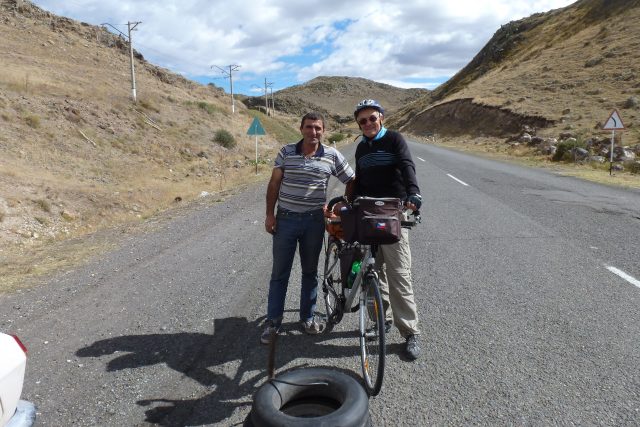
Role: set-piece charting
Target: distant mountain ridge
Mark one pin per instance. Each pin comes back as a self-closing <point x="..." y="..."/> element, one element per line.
<point x="336" y="97"/>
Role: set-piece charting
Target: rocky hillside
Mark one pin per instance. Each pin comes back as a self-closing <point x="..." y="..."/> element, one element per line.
<point x="77" y="154"/>
<point x="336" y="97"/>
<point x="557" y="73"/>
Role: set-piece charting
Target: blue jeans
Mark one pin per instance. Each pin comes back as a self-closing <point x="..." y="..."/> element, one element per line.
<point x="293" y="229"/>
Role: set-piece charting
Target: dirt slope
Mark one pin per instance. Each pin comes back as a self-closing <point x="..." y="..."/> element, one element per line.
<point x="570" y="66"/>
<point x="77" y="155"/>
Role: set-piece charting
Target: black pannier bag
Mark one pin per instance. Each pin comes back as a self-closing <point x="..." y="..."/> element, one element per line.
<point x="349" y="220"/>
<point x="373" y="221"/>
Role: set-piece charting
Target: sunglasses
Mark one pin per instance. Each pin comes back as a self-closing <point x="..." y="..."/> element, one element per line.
<point x="372" y="118"/>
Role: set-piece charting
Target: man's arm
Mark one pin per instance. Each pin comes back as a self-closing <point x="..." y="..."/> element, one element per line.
<point x="345" y="174"/>
<point x="350" y="189"/>
<point x="273" y="189"/>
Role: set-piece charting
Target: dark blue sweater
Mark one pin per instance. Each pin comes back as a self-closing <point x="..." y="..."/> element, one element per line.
<point x="384" y="167"/>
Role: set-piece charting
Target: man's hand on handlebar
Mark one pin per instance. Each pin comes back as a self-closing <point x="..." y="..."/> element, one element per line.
<point x="414" y="202"/>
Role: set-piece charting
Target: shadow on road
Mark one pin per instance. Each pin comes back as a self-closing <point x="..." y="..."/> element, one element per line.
<point x="230" y="361"/>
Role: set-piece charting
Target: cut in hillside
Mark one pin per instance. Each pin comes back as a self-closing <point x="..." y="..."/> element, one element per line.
<point x="336" y="97"/>
<point x="77" y="155"/>
<point x="566" y="69"/>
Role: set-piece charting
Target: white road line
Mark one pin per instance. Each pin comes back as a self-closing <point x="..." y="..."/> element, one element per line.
<point x="420" y="158"/>
<point x="624" y="275"/>
<point x="456" y="179"/>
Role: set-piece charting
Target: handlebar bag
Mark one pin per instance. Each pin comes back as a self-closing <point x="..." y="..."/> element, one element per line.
<point x="378" y="220"/>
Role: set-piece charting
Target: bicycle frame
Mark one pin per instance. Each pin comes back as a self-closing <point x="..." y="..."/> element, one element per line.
<point x="368" y="267"/>
<point x="363" y="295"/>
<point x="368" y="261"/>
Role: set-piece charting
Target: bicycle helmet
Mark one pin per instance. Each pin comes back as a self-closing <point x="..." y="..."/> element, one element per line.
<point x="368" y="103"/>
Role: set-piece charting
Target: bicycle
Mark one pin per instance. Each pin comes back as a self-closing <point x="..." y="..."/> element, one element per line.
<point x="341" y="291"/>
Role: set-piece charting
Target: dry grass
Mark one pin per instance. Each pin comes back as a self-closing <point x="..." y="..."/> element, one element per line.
<point x="29" y="264"/>
<point x="496" y="149"/>
<point x="78" y="157"/>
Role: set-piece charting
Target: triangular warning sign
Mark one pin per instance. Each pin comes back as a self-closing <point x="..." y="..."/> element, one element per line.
<point x="614" y="122"/>
<point x="256" y="128"/>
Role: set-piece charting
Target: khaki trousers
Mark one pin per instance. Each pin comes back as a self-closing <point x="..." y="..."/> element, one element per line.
<point x="394" y="268"/>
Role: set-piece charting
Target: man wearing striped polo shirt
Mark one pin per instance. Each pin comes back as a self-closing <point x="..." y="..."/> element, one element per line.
<point x="299" y="185"/>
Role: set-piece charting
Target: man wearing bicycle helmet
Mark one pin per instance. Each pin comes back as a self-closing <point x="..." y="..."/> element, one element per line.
<point x="384" y="168"/>
<point x="299" y="186"/>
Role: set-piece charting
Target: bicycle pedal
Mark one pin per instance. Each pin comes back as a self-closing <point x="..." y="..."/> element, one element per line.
<point x="371" y="335"/>
<point x="355" y="308"/>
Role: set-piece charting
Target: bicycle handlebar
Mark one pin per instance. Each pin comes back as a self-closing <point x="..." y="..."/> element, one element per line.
<point x="416" y="214"/>
<point x="334" y="201"/>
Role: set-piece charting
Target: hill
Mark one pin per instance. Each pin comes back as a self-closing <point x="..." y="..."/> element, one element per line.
<point x="77" y="155"/>
<point x="558" y="72"/>
<point x="336" y="97"/>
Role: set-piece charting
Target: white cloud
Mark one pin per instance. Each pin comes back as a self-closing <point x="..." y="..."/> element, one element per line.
<point x="380" y="40"/>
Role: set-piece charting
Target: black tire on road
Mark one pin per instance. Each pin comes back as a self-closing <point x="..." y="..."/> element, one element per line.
<point x="312" y="397"/>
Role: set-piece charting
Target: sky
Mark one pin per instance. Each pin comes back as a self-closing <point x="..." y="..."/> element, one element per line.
<point x="404" y="43"/>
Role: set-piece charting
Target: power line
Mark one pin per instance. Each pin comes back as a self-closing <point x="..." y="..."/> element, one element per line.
<point x="130" y="28"/>
<point x="133" y="74"/>
<point x="273" y="102"/>
<point x="266" y="94"/>
<point x="229" y="74"/>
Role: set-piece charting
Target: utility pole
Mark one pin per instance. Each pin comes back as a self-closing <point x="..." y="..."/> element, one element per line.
<point x="273" y="103"/>
<point x="133" y="74"/>
<point x="266" y="95"/>
<point x="229" y="74"/>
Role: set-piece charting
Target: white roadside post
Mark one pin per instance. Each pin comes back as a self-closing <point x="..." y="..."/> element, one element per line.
<point x="613" y="123"/>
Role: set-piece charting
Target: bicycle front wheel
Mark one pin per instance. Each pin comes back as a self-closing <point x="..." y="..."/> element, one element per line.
<point x="331" y="285"/>
<point x="372" y="350"/>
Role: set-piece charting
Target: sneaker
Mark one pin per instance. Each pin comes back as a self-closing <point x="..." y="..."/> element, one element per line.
<point x="412" y="349"/>
<point x="268" y="332"/>
<point x="312" y="326"/>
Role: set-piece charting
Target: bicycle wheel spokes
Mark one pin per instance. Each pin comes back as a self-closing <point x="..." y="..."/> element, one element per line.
<point x="332" y="285"/>
<point x="372" y="350"/>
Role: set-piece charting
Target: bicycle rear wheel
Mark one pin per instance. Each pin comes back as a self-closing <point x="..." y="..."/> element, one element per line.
<point x="332" y="285"/>
<point x="372" y="350"/>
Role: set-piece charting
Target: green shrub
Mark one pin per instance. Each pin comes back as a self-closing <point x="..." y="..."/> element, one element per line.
<point x="261" y="161"/>
<point x="148" y="105"/>
<point x="563" y="151"/>
<point x="633" y="166"/>
<point x="33" y="121"/>
<point x="44" y="205"/>
<point x="223" y="137"/>
<point x="336" y="137"/>
<point x="209" y="108"/>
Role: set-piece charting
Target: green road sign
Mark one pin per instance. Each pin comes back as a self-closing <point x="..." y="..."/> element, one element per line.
<point x="256" y="128"/>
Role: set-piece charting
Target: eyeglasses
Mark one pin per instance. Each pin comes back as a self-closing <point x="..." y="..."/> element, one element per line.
<point x="372" y="118"/>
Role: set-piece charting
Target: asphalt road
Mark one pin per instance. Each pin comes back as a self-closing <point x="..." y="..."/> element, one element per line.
<point x="527" y="284"/>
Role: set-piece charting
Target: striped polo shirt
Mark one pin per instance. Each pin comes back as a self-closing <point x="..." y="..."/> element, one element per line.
<point x="304" y="183"/>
